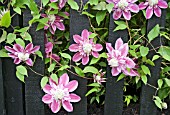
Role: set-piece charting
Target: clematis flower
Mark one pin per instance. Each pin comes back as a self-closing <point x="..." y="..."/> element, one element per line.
<point x="153" y="6"/>
<point x="84" y="47"/>
<point x="118" y="60"/>
<point x="124" y="7"/>
<point x="19" y="54"/>
<point x="54" y="22"/>
<point x="61" y="3"/>
<point x="98" y="78"/>
<point x="60" y="94"/>
<point x="48" y="51"/>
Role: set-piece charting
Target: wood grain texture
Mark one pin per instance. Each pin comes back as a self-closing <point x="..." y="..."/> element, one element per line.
<point x="33" y="91"/>
<point x="77" y="24"/>
<point x="114" y="90"/>
<point x="147" y="106"/>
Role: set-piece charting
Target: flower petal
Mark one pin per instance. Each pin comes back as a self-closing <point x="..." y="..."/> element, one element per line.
<point x="48" y="47"/>
<point x="77" y="57"/>
<point x="85" y="60"/>
<point x="55" y="57"/>
<point x="134" y="8"/>
<point x="124" y="49"/>
<point x="17" y="61"/>
<point x="95" y="54"/>
<point x="85" y="34"/>
<point x="67" y="106"/>
<point x="36" y="48"/>
<point x="77" y="38"/>
<point x="109" y="48"/>
<point x="117" y="14"/>
<point x="60" y="26"/>
<point x="130" y="63"/>
<point x="29" y="62"/>
<point x="29" y="47"/>
<point x="143" y="5"/>
<point x="149" y="12"/>
<point x="114" y="71"/>
<point x="12" y="55"/>
<point x="47" y="98"/>
<point x="72" y="85"/>
<point x="127" y="15"/>
<point x="18" y="48"/>
<point x="162" y="4"/>
<point x="47" y="88"/>
<point x="62" y="3"/>
<point x="55" y="106"/>
<point x="157" y="11"/>
<point x="74" y="98"/>
<point x="74" y="47"/>
<point x="97" y="47"/>
<point x="64" y="79"/>
<point x="10" y="49"/>
<point x="118" y="44"/>
<point x="131" y="72"/>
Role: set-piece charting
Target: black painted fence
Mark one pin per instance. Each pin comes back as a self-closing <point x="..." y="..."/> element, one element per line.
<point x="17" y="98"/>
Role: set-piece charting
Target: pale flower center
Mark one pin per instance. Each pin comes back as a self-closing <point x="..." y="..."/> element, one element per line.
<point x="51" y="18"/>
<point x="23" y="56"/>
<point x="113" y="62"/>
<point x="122" y="4"/>
<point x="153" y="2"/>
<point x="59" y="94"/>
<point x="98" y="78"/>
<point x="87" y="48"/>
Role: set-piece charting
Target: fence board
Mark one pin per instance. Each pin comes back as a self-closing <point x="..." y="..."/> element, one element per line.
<point x="114" y="90"/>
<point x="2" y="101"/>
<point x="13" y="87"/>
<point x="33" y="92"/>
<point x="147" y="106"/>
<point x="77" y="24"/>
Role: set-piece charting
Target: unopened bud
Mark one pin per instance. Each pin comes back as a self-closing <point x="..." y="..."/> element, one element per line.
<point x="164" y="105"/>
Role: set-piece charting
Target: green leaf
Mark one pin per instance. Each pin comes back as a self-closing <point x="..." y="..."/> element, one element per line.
<point x="53" y="5"/>
<point x="3" y="53"/>
<point x="73" y="4"/>
<point x="100" y="6"/>
<point x="93" y="2"/>
<point x="54" y="78"/>
<point x="164" y="51"/>
<point x="33" y="7"/>
<point x="91" y="91"/>
<point x="155" y="57"/>
<point x="20" y="41"/>
<point x="26" y="36"/>
<point x="17" y="10"/>
<point x="145" y="69"/>
<point x="45" y="2"/>
<point x="100" y="16"/>
<point x="121" y="25"/>
<point x="10" y="38"/>
<point x="92" y="35"/>
<point x="63" y="67"/>
<point x="20" y="76"/>
<point x="144" y="79"/>
<point x="95" y="60"/>
<point x="39" y="54"/>
<point x="3" y="37"/>
<point x="79" y="71"/>
<point x="109" y="7"/>
<point x="90" y="69"/>
<point x="65" y="55"/>
<point x="22" y="70"/>
<point x="144" y="51"/>
<point x="6" y="20"/>
<point x="94" y="85"/>
<point x="160" y="83"/>
<point x="121" y="76"/>
<point x="167" y="81"/>
<point x="154" y="33"/>
<point x="44" y="81"/>
<point x="51" y="68"/>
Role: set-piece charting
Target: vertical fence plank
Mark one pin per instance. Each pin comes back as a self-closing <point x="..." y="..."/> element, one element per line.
<point x="77" y="24"/>
<point x="13" y="87"/>
<point x="147" y="106"/>
<point x="114" y="90"/>
<point x="33" y="92"/>
<point x="2" y="101"/>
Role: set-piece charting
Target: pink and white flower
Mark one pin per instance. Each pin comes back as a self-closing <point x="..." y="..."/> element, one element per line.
<point x="84" y="47"/>
<point x="54" y="22"/>
<point x="124" y="7"/>
<point x="99" y="78"/>
<point x="19" y="54"/>
<point x="48" y="51"/>
<point x="59" y="94"/>
<point x="118" y="60"/>
<point x="61" y="3"/>
<point x="153" y="6"/>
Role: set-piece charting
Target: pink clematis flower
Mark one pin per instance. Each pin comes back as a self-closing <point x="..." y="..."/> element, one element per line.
<point x="54" y="22"/>
<point x="124" y="7"/>
<point x="153" y="6"/>
<point x="59" y="94"/>
<point x="19" y="54"/>
<point x="84" y="47"/>
<point x="48" y="51"/>
<point x="118" y="60"/>
<point x="98" y="78"/>
<point x="61" y="3"/>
